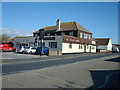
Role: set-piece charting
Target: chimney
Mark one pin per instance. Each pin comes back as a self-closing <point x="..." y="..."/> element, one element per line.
<point x="58" y="24"/>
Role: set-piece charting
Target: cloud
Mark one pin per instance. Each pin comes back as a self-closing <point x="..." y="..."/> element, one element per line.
<point x="12" y="32"/>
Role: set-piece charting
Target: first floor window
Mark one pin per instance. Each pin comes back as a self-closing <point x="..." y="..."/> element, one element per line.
<point x="53" y="44"/>
<point x="71" y="33"/>
<point x="89" y="36"/>
<point x="62" y="33"/>
<point x="80" y="35"/>
<point x="85" y="36"/>
<point x="70" y="46"/>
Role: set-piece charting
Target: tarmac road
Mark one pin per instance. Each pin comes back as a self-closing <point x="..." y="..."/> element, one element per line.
<point x="90" y="74"/>
<point x="15" y="63"/>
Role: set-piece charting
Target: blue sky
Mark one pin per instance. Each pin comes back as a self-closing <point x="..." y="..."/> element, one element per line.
<point x="22" y="18"/>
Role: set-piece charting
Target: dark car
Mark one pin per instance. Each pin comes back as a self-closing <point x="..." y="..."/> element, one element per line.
<point x="44" y="50"/>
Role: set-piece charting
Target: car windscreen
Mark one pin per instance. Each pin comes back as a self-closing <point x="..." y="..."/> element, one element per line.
<point x="26" y="47"/>
<point x="33" y="48"/>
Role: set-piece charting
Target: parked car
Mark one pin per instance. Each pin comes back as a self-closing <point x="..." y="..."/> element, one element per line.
<point x="22" y="49"/>
<point x="6" y="47"/>
<point x="30" y="50"/>
<point x="44" y="50"/>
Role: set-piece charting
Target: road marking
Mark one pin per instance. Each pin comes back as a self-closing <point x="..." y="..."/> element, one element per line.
<point x="4" y="63"/>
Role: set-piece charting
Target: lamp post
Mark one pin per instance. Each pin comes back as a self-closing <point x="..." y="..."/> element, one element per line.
<point x="41" y="32"/>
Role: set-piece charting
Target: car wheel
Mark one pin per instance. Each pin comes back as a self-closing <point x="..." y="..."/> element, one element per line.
<point x="30" y="51"/>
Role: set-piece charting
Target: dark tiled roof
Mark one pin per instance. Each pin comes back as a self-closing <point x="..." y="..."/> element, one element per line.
<point x="116" y="45"/>
<point x="66" y="27"/>
<point x="102" y="41"/>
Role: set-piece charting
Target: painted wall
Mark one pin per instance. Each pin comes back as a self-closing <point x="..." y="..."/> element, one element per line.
<point x="75" y="48"/>
<point x="106" y="47"/>
<point x="58" y="39"/>
<point x="109" y="47"/>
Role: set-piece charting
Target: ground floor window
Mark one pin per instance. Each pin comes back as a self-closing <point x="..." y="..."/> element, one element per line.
<point x="70" y="45"/>
<point x="31" y="43"/>
<point x="87" y="47"/>
<point x="79" y="46"/>
<point x="93" y="47"/>
<point x="53" y="44"/>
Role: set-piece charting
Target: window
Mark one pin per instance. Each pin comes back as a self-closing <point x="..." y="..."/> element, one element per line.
<point x="80" y="35"/>
<point x="43" y="44"/>
<point x="79" y="46"/>
<point x="36" y="35"/>
<point x="53" y="44"/>
<point x="85" y="36"/>
<point x="89" y="36"/>
<point x="70" y="46"/>
<point x="31" y="43"/>
<point x="87" y="47"/>
<point x="48" y="34"/>
<point x="71" y="33"/>
<point x="62" y="33"/>
<point x="93" y="47"/>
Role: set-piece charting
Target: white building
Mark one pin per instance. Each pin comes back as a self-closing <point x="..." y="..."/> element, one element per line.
<point x="115" y="47"/>
<point x="103" y="44"/>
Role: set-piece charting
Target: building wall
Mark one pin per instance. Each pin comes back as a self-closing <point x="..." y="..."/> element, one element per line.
<point x="116" y="49"/>
<point x="102" y="47"/>
<point x="76" y="48"/>
<point x="58" y="39"/>
<point x="29" y="40"/>
<point x="109" y="46"/>
<point x="61" y="44"/>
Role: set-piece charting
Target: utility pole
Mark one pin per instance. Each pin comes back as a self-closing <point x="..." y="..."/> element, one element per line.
<point x="41" y="32"/>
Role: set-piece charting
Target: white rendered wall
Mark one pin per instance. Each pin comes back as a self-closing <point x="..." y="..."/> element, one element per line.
<point x="74" y="49"/>
<point x="109" y="47"/>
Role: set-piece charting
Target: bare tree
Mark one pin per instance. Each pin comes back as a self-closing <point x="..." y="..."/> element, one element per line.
<point x="4" y="38"/>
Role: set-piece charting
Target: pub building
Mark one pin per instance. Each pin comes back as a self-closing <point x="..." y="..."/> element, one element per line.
<point x="68" y="37"/>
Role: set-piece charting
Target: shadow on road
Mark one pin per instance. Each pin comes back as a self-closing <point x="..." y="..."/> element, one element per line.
<point x="105" y="79"/>
<point x="114" y="59"/>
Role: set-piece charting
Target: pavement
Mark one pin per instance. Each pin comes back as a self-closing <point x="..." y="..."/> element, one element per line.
<point x="86" y="74"/>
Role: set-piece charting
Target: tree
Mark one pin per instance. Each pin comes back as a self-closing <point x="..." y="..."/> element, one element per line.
<point x="4" y="38"/>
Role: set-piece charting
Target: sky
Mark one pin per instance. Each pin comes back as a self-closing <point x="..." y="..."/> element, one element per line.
<point x="23" y="18"/>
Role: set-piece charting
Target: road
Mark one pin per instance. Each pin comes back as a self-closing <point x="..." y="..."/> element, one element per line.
<point x="14" y="63"/>
<point x="87" y="71"/>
